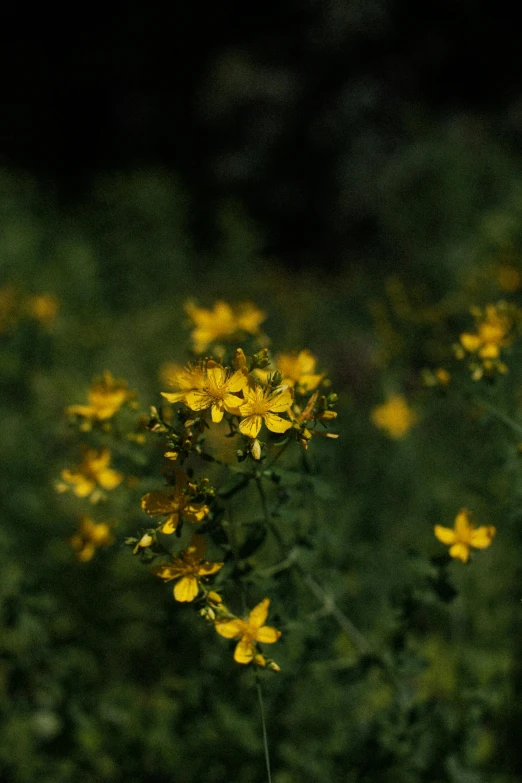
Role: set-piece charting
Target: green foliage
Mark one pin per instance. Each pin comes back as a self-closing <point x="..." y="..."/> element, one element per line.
<point x="103" y="677"/>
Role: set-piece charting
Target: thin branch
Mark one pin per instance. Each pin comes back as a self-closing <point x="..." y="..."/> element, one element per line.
<point x="265" y="737"/>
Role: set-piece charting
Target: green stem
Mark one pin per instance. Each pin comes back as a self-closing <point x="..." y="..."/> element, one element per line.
<point x="357" y="638"/>
<point x="279" y="453"/>
<point x="507" y="420"/>
<point x="263" y="722"/>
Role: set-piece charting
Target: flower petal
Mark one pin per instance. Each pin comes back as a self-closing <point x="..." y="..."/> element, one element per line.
<point x="195" y="512"/>
<point x="175" y="397"/>
<point x="230" y="629"/>
<point x="217" y="411"/>
<point x="237" y="381"/>
<point x="251" y="425"/>
<point x="109" y="479"/>
<point x="482" y="537"/>
<point x="216" y="375"/>
<point x="168" y="571"/>
<point x="471" y="342"/>
<point x="186" y="589"/>
<point x="170" y="524"/>
<point x="267" y="634"/>
<point x="463" y="526"/>
<point x="157" y="503"/>
<point x="207" y="568"/>
<point x="244" y="651"/>
<point x="276" y="423"/>
<point x="445" y="534"/>
<point x="198" y="400"/>
<point x="460" y="552"/>
<point x="259" y="613"/>
<point x="280" y="400"/>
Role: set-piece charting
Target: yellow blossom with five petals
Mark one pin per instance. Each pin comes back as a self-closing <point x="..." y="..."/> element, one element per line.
<point x="92" y="473"/>
<point x="91" y="535"/>
<point x="299" y="370"/>
<point x="174" y="502"/>
<point x="395" y="416"/>
<point x="262" y="404"/>
<point x="216" y="389"/>
<point x="464" y="535"/>
<point x="184" y="379"/>
<point x="105" y="398"/>
<point x="189" y="569"/>
<point x="249" y="632"/>
<point x="222" y="322"/>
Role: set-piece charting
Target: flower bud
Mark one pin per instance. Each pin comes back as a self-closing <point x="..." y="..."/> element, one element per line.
<point x="256" y="449"/>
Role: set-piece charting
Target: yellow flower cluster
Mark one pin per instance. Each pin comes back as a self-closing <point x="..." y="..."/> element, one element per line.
<point x="260" y="396"/>
<point x="224" y="395"/>
<point x="494" y="330"/>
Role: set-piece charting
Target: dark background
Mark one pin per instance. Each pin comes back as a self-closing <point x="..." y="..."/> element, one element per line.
<point x="259" y="105"/>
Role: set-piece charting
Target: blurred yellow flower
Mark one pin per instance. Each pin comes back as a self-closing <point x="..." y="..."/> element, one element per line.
<point x="260" y="405"/>
<point x="395" y="417"/>
<point x="105" y="398"/>
<point x="299" y="370"/>
<point x="184" y="379"/>
<point x="222" y="322"/>
<point x="43" y="307"/>
<point x="464" y="535"/>
<point x="216" y="389"/>
<point x="90" y="536"/>
<point x="92" y="473"/>
<point x="492" y="332"/>
<point x="174" y="502"/>
<point x="189" y="569"/>
<point x="249" y="632"/>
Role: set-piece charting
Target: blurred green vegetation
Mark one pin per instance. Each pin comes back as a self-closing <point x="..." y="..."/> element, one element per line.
<point x="102" y="676"/>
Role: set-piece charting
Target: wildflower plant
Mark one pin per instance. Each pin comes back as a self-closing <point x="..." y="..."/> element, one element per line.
<point x="271" y="408"/>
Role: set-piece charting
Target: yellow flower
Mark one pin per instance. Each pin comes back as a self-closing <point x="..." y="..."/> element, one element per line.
<point x="299" y="370"/>
<point x="260" y="405"/>
<point x="395" y="417"/>
<point x="464" y="536"/>
<point x="90" y="537"/>
<point x="93" y="472"/>
<point x="302" y="417"/>
<point x="105" y="398"/>
<point x="493" y="328"/>
<point x="249" y="632"/>
<point x="189" y="569"/>
<point x="215" y="390"/>
<point x="184" y="379"/>
<point x="145" y="541"/>
<point x="43" y="307"/>
<point x="174" y="502"/>
<point x="222" y="322"/>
